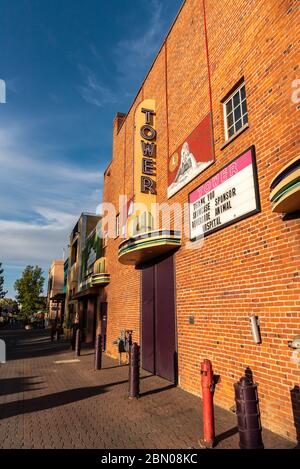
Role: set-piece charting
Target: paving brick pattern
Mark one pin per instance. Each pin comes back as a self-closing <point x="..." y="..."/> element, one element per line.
<point x="48" y="405"/>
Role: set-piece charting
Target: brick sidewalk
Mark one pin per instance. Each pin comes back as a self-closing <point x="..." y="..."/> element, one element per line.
<point x="48" y="405"/>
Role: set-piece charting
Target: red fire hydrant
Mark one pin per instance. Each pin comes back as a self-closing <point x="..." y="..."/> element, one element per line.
<point x="207" y="383"/>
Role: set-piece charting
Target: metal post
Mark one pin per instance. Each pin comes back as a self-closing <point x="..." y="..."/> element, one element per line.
<point x="129" y="369"/>
<point x="248" y="415"/>
<point x="98" y="352"/>
<point x="78" y="342"/>
<point x="73" y="338"/>
<point x="52" y="335"/>
<point x="207" y="383"/>
<point x="134" y="371"/>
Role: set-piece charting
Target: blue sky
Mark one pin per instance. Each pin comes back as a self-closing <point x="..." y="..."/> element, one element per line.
<point x="69" y="66"/>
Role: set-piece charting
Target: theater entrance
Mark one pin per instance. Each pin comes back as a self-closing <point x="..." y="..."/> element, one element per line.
<point x="87" y="318"/>
<point x="159" y="355"/>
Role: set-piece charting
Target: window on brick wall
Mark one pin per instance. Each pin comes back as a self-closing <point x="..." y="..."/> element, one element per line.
<point x="235" y="111"/>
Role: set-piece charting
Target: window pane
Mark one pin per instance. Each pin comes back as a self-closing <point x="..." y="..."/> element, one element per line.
<point x="245" y="119"/>
<point x="117" y="225"/>
<point x="236" y="99"/>
<point x="238" y="125"/>
<point x="237" y="113"/>
<point x="230" y="119"/>
<point x="243" y="92"/>
<point x="244" y="107"/>
<point x="231" y="131"/>
<point x="229" y="107"/>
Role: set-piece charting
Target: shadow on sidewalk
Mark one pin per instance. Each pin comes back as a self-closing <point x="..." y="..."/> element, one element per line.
<point x="51" y="401"/>
<point x="115" y="366"/>
<point x="157" y="390"/>
<point x="32" y="344"/>
<point x="226" y="434"/>
<point x="16" y="385"/>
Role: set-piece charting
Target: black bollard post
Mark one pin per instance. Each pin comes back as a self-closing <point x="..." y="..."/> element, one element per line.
<point x="134" y="371"/>
<point x="248" y="415"/>
<point x="129" y="369"/>
<point x="98" y="352"/>
<point x="78" y="342"/>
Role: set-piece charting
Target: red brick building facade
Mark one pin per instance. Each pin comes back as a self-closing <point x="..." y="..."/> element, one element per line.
<point x="245" y="268"/>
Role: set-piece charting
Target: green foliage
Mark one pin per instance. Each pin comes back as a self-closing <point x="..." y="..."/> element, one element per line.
<point x="29" y="290"/>
<point x="43" y="303"/>
<point x="2" y="292"/>
<point x="5" y="302"/>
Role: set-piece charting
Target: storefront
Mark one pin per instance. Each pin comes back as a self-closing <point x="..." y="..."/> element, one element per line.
<point x="86" y="278"/>
<point x="206" y="163"/>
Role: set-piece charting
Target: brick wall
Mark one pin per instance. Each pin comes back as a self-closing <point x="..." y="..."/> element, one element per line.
<point x="249" y="267"/>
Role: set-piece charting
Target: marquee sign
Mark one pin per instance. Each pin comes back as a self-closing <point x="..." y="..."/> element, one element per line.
<point x="192" y="157"/>
<point x="227" y="197"/>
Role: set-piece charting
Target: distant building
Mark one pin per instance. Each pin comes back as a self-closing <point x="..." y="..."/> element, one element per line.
<point x="66" y="271"/>
<point x="56" y="296"/>
<point x="86" y="275"/>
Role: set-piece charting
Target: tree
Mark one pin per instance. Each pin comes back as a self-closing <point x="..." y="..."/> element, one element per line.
<point x="8" y="305"/>
<point x="8" y="302"/>
<point x="29" y="290"/>
<point x="2" y="292"/>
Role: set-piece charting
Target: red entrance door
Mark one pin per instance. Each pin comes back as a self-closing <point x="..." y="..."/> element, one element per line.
<point x="158" y="319"/>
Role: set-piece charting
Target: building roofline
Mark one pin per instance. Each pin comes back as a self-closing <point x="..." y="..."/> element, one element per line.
<point x="107" y="168"/>
<point x="86" y="214"/>
<point x="55" y="261"/>
<point x="90" y="214"/>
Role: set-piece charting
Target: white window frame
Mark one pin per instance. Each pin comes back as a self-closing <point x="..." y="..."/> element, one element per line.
<point x="236" y="89"/>
<point x="117" y="228"/>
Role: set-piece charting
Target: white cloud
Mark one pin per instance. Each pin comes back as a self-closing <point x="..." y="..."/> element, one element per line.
<point x="41" y="197"/>
<point x="93" y="91"/>
<point x="14" y="156"/>
<point x="133" y="55"/>
<point x="131" y="59"/>
<point x="30" y="242"/>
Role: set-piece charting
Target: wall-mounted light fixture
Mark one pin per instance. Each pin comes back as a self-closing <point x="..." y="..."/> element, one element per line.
<point x="255" y="329"/>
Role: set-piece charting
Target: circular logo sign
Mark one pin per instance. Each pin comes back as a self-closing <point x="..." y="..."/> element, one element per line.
<point x="174" y="161"/>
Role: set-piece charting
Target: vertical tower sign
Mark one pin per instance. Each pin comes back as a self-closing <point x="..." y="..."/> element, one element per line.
<point x="145" y="153"/>
<point x="141" y="218"/>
